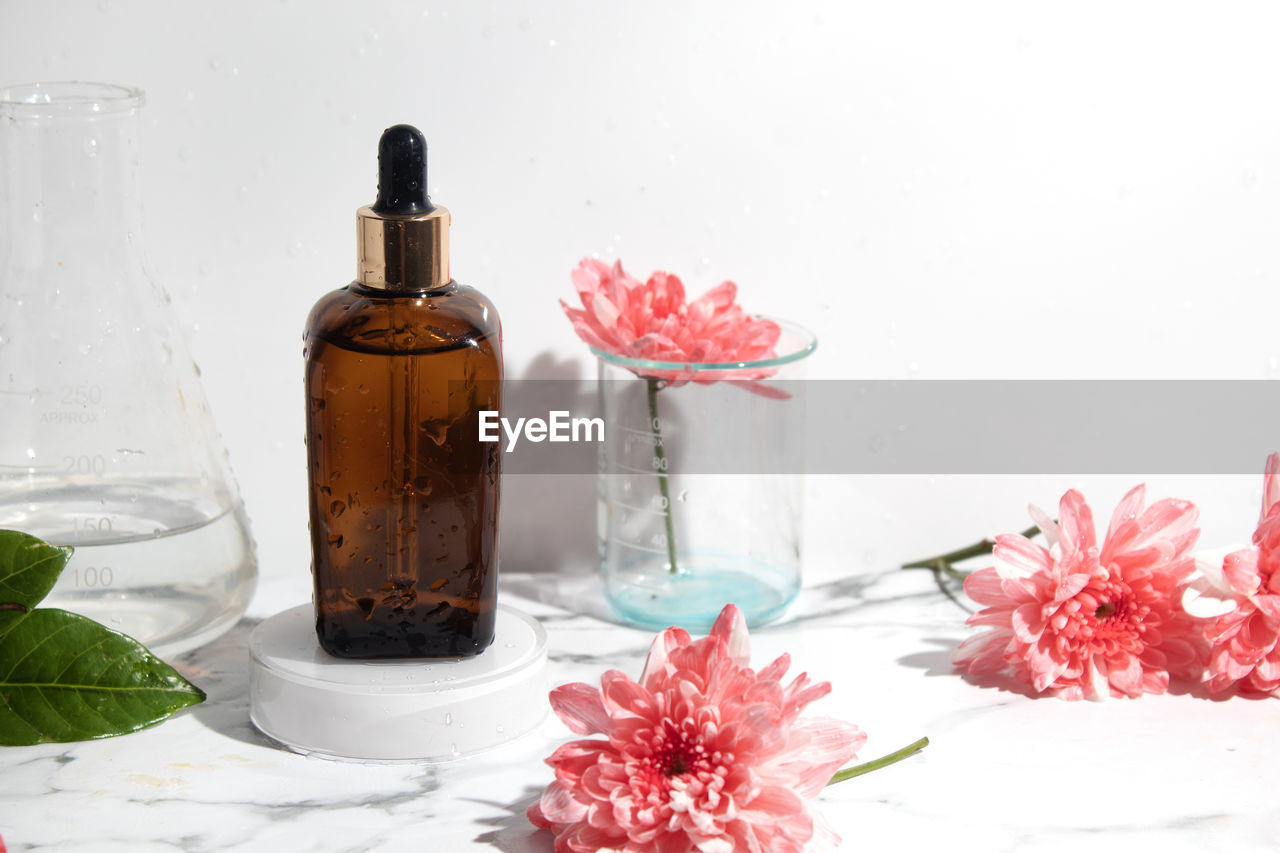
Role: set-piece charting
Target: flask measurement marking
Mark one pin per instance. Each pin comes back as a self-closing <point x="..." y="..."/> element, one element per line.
<point x="636" y="547"/>
<point x="81" y="395"/>
<point x="98" y="524"/>
<point x="84" y="464"/>
<point x="91" y="576"/>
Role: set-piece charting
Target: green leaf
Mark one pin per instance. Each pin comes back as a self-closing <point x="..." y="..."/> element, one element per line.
<point x="64" y="677"/>
<point x="28" y="569"/>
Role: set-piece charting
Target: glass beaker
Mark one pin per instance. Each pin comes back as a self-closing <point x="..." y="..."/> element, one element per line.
<point x="107" y="441"/>
<point x="701" y="487"/>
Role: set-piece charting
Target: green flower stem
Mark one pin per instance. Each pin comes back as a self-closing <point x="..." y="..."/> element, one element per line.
<point x="660" y="454"/>
<point x="884" y="761"/>
<point x="942" y="564"/>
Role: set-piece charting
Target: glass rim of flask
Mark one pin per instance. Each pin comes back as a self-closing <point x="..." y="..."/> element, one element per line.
<point x="70" y="98"/>
<point x="795" y="343"/>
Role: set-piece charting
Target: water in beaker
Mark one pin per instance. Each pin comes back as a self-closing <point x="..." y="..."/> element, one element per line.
<point x="108" y="444"/>
<point x="700" y="486"/>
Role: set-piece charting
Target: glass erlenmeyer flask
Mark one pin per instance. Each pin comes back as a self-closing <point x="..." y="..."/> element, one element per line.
<point x="106" y="441"/>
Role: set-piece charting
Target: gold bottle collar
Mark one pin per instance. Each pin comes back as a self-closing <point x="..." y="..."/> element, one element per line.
<point x="398" y="252"/>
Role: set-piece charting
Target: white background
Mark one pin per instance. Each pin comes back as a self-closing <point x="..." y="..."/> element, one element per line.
<point x="939" y="190"/>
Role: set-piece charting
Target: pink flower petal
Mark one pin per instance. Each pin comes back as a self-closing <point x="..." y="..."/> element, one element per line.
<point x="1075" y="523"/>
<point x="1269" y="605"/>
<point x="819" y="747"/>
<point x="731" y="628"/>
<point x="985" y="587"/>
<point x="559" y="805"/>
<point x="777" y="669"/>
<point x="1083" y="619"/>
<point x="704" y="753"/>
<point x="1240" y="571"/>
<point x="984" y="654"/>
<point x="623" y="697"/>
<point x="580" y="707"/>
<point x="1018" y="557"/>
<point x="652" y="321"/>
<point x="1045" y="522"/>
<point x="1270" y="486"/>
<point x="1127" y="676"/>
<point x="1028" y="623"/>
<point x="1164" y="521"/>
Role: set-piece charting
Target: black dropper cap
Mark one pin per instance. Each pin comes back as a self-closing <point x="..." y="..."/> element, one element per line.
<point x="402" y="172"/>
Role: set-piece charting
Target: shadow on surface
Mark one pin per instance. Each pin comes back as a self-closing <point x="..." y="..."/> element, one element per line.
<point x="221" y="670"/>
<point x="512" y="831"/>
<point x="937" y="662"/>
<point x="577" y="590"/>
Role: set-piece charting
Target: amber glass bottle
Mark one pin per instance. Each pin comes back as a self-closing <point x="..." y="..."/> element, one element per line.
<point x="404" y="496"/>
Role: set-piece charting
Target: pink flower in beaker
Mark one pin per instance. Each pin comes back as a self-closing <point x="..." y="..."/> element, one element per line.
<point x="653" y="322"/>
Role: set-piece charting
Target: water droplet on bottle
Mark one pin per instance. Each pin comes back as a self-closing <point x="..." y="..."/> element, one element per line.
<point x="84" y="349"/>
<point x="551" y="43"/>
<point x="683" y="496"/>
<point x="448" y="719"/>
<point x="91" y="146"/>
<point x="453" y="749"/>
<point x="500" y="729"/>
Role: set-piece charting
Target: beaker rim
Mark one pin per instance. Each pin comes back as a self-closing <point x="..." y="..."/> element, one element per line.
<point x="68" y="97"/>
<point x="801" y="344"/>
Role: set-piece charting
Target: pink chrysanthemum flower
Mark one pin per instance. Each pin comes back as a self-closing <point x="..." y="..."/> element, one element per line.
<point x="1079" y="621"/>
<point x="652" y="321"/>
<point x="1244" y="590"/>
<point x="701" y="754"/>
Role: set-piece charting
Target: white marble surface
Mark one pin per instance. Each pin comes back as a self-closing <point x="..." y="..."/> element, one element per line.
<point x="1004" y="771"/>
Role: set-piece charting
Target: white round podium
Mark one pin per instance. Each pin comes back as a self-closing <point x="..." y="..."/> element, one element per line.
<point x="395" y="710"/>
